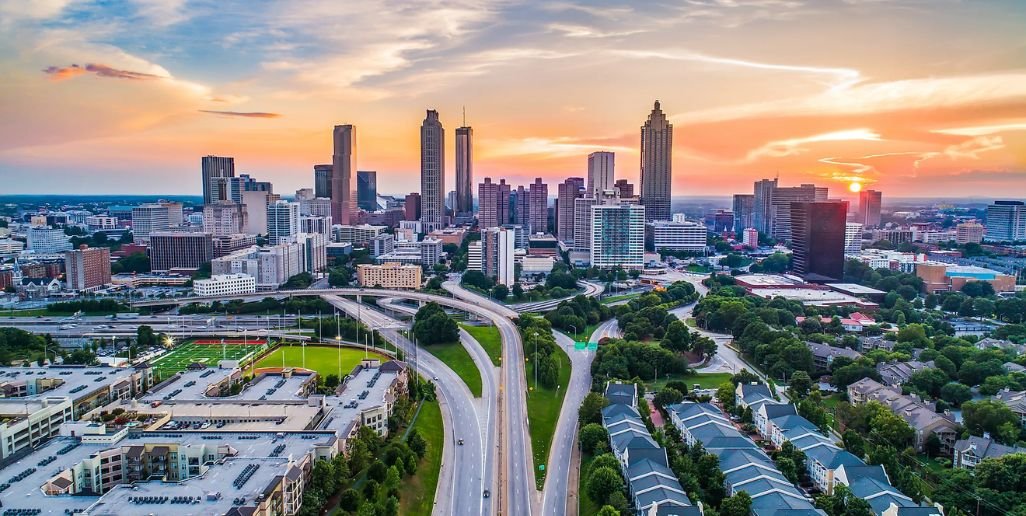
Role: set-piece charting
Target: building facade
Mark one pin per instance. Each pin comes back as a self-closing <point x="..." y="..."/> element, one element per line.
<point x="464" y="171"/>
<point x="677" y="236"/>
<point x="493" y="203"/>
<point x="538" y="207"/>
<point x="367" y="190"/>
<point x="869" y="208"/>
<point x="817" y="240"/>
<point x="216" y="171"/>
<point x="1006" y="221"/>
<point x="225" y="285"/>
<point x="390" y="275"/>
<point x="171" y="250"/>
<point x="148" y="218"/>
<point x="322" y="180"/>
<point x="282" y="221"/>
<point x="656" y="165"/>
<point x="343" y="172"/>
<point x="600" y="172"/>
<point x="87" y="268"/>
<point x="618" y="236"/>
<point x="432" y="172"/>
<point x="567" y="193"/>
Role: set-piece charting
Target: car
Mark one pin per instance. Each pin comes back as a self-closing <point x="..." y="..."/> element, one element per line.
<point x="435" y="378"/>
<point x="460" y="442"/>
<point x="487" y="493"/>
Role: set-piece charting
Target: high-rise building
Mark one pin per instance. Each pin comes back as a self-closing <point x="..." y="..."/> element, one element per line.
<point x="781" y="206"/>
<point x="179" y="250"/>
<point x="322" y="181"/>
<point x="869" y="208"/>
<point x="87" y="267"/>
<point x="656" y="165"/>
<point x="147" y="218"/>
<point x="343" y="170"/>
<point x="567" y="193"/>
<point x="282" y="221"/>
<point x="618" y="236"/>
<point x="521" y="207"/>
<point x="46" y="240"/>
<point x="600" y="172"/>
<point x="817" y="240"/>
<point x="744" y="212"/>
<point x="223" y="218"/>
<point x="216" y="170"/>
<point x="238" y="186"/>
<point x="969" y="233"/>
<point x="255" y="204"/>
<point x="623" y="188"/>
<point x="367" y="190"/>
<point x="1006" y="221"/>
<point x="304" y="194"/>
<point x="722" y="220"/>
<point x="175" y="212"/>
<point x="762" y="205"/>
<point x="432" y="172"/>
<point x="852" y="238"/>
<point x="464" y="171"/>
<point x="497" y="255"/>
<point x="538" y="207"/>
<point x="320" y="225"/>
<point x="751" y="238"/>
<point x="493" y="203"/>
<point x="677" y="235"/>
<point x="411" y="206"/>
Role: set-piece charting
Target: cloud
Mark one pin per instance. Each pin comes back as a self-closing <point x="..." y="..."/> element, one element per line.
<point x="244" y="114"/>
<point x="61" y="73"/>
<point x="794" y="146"/>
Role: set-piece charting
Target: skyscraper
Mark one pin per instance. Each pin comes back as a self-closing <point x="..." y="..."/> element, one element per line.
<point x="224" y="218"/>
<point x="1006" y="221"/>
<point x="432" y="173"/>
<point x="464" y="171"/>
<point x="600" y="172"/>
<point x="817" y="239"/>
<point x="322" y="180"/>
<point x="618" y="236"/>
<point x="343" y="167"/>
<point x="493" y="203"/>
<point x="567" y="192"/>
<point x="762" y="205"/>
<point x="624" y="188"/>
<point x="781" y="206"/>
<point x="412" y="206"/>
<point x="521" y="207"/>
<point x="367" y="190"/>
<point x="146" y="219"/>
<point x="538" y="206"/>
<point x="282" y="221"/>
<point x="497" y="255"/>
<point x="744" y="213"/>
<point x="656" y="165"/>
<point x="216" y="171"/>
<point x="869" y="208"/>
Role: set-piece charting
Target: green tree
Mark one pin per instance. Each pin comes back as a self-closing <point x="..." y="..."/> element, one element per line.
<point x="591" y="408"/>
<point x="738" y="505"/>
<point x="593" y="438"/>
<point x="602" y="482"/>
<point x="799" y="385"/>
<point x="956" y="393"/>
<point x="500" y="292"/>
<point x="668" y="396"/>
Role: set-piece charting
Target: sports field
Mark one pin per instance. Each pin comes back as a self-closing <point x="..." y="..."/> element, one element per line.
<point x="205" y="351"/>
<point x="323" y="359"/>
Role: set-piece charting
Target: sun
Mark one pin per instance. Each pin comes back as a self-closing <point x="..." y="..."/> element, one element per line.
<point x="855" y="186"/>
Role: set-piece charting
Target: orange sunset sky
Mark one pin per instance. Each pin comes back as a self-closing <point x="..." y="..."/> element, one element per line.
<point x="916" y="98"/>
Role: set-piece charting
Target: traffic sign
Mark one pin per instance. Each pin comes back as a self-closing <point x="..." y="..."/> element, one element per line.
<point x="580" y="346"/>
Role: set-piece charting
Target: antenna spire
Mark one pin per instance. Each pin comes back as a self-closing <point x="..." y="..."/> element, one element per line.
<point x="464" y="116"/>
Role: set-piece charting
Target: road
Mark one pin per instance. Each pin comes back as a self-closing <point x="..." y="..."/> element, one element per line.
<point x="590" y="290"/>
<point x="556" y="492"/>
<point x="468" y="469"/>
<point x="517" y="475"/>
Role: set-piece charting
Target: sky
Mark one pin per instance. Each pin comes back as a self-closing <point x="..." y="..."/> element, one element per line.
<point x="914" y="98"/>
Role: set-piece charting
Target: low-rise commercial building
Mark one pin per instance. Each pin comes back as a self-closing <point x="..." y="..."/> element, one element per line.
<point x="225" y="285"/>
<point x="945" y="277"/>
<point x="390" y="275"/>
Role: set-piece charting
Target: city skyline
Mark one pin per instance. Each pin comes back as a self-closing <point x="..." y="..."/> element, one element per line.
<point x="544" y="88"/>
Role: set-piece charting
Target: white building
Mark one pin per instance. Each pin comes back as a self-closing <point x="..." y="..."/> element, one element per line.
<point x="475" y="260"/>
<point x="430" y="251"/>
<point x="256" y="211"/>
<point x="315" y="251"/>
<point x="9" y="246"/>
<point x="537" y="264"/>
<point x="101" y="222"/>
<point x="224" y="219"/>
<point x="852" y="238"/>
<point x="356" y="235"/>
<point x="498" y="255"/>
<point x="618" y="236"/>
<point x="677" y="235"/>
<point x="600" y="172"/>
<point x="47" y="240"/>
<point x="312" y="224"/>
<point x="381" y="244"/>
<point x="282" y="220"/>
<point x="149" y="218"/>
<point x="225" y="285"/>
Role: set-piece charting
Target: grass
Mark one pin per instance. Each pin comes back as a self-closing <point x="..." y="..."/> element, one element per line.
<point x="209" y="354"/>
<point x="456" y="357"/>
<point x="585" y="505"/>
<point x="692" y="322"/>
<point x="705" y="380"/>
<point x="701" y="269"/>
<point x="323" y="359"/>
<point x="490" y="340"/>
<point x="419" y="493"/>
<point x="622" y="297"/>
<point x="543" y="406"/>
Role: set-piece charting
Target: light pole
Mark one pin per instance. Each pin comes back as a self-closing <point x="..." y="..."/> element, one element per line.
<point x="338" y="342"/>
<point x="575" y="332"/>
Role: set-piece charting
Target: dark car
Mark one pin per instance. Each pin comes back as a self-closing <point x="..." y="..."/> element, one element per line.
<point x="487" y="493"/>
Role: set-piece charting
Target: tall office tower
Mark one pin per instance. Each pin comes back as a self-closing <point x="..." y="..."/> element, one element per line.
<point x="744" y="213"/>
<point x="567" y="193"/>
<point x="464" y="170"/>
<point x="969" y="232"/>
<point x="179" y="250"/>
<point x="175" y="212"/>
<point x="656" y="165"/>
<point x="852" y="238"/>
<point x="869" y="208"/>
<point x="618" y="236"/>
<point x="520" y="207"/>
<point x="538" y="206"/>
<point x="762" y="205"/>
<point x="255" y="204"/>
<point x="623" y="188"/>
<point x="216" y="171"/>
<point x="367" y="190"/>
<point x="1006" y="221"/>
<point x="432" y="173"/>
<point x="322" y="181"/>
<point x="343" y="168"/>
<point x="147" y="218"/>
<point x="411" y="206"/>
<point x="304" y="194"/>
<point x="582" y="222"/>
<point x="450" y="201"/>
<point x="497" y="253"/>
<point x="493" y="203"/>
<point x="600" y="172"/>
<point x="817" y="240"/>
<point x="282" y="221"/>
<point x="224" y="218"/>
<point x="87" y="267"/>
<point x="781" y="206"/>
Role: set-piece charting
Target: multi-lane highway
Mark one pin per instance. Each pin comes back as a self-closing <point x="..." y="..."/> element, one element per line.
<point x="590" y="290"/>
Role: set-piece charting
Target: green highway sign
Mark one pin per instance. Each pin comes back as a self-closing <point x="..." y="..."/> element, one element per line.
<point x="593" y="346"/>
<point x="580" y="346"/>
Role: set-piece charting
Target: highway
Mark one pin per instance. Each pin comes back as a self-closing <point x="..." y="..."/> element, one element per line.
<point x="590" y="290"/>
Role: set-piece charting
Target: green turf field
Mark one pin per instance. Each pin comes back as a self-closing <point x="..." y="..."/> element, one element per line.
<point x="208" y="354"/>
<point x="323" y="359"/>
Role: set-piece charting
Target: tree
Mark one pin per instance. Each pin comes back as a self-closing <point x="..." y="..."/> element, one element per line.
<point x="592" y="436"/>
<point x="668" y="396"/>
<point x="433" y="326"/>
<point x="800" y="384"/>
<point x="500" y="292"/>
<point x="738" y="505"/>
<point x="990" y="416"/>
<point x="144" y="336"/>
<point x="602" y="482"/>
<point x="591" y="408"/>
<point x="677" y="337"/>
<point x="725" y="393"/>
<point x="608" y="510"/>
<point x="518" y="291"/>
<point x="956" y="393"/>
<point x="349" y="500"/>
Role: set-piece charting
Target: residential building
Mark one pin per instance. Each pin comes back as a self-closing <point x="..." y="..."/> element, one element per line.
<point x="322" y="180"/>
<point x="895" y="373"/>
<point x="497" y="255"/>
<point x="744" y="212"/>
<point x="969" y="233"/>
<point x="230" y="243"/>
<point x="1015" y="401"/>
<point x="582" y="222"/>
<point x="343" y="172"/>
<point x="924" y="420"/>
<point x="390" y="275"/>
<point x="600" y="172"/>
<point x="88" y="268"/>
<point x="869" y="208"/>
<point x="225" y="285"/>
<point x="172" y="250"/>
<point x="970" y="452"/>
<point x="464" y="170"/>
<point x="223" y="218"/>
<point x="656" y="165"/>
<point x="282" y="221"/>
<point x="475" y="256"/>
<point x="824" y="354"/>
<point x="148" y="218"/>
<point x="854" y="322"/>
<point x="493" y="203"/>
<point x="567" y="193"/>
<point x="762" y="205"/>
<point x="1006" y="221"/>
<point x="852" y="238"/>
<point x="538" y="207"/>
<point x="750" y="238"/>
<point x="367" y="190"/>
<point x="320" y="225"/>
<point x="216" y="170"/>
<point x="430" y="251"/>
<point x="47" y="240"/>
<point x="432" y="172"/>
<point x="676" y="236"/>
<point x="817" y="240"/>
<point x="101" y="222"/>
<point x="314" y="247"/>
<point x="618" y="236"/>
